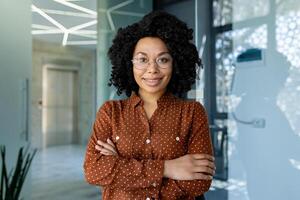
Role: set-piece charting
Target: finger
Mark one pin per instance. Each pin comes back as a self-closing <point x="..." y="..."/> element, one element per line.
<point x="100" y="148"/>
<point x="106" y="146"/>
<point x="207" y="163"/>
<point x="203" y="169"/>
<point x="97" y="147"/>
<point x="202" y="176"/>
<point x="107" y="153"/>
<point x="203" y="156"/>
<point x="111" y="143"/>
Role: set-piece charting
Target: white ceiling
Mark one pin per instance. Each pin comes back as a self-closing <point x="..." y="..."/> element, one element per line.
<point x="69" y="22"/>
<point x="74" y="22"/>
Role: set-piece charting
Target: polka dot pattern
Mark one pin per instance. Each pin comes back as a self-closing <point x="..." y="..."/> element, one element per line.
<point x="176" y="128"/>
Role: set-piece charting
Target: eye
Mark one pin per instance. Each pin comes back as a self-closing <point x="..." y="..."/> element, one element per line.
<point x="163" y="60"/>
<point x="142" y="60"/>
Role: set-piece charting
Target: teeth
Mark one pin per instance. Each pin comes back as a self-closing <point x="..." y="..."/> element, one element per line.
<point x="152" y="82"/>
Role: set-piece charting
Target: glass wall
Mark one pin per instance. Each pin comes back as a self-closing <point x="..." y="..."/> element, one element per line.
<point x="257" y="84"/>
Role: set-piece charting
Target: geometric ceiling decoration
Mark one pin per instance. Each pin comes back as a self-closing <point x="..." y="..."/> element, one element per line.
<point x="74" y="22"/>
<point x="67" y="22"/>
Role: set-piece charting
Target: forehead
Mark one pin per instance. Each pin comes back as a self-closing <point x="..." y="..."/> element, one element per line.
<point x="150" y="45"/>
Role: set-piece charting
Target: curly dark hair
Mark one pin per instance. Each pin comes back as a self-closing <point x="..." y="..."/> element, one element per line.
<point x="178" y="39"/>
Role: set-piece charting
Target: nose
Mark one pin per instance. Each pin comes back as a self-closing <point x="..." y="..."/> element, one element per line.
<point x="152" y="67"/>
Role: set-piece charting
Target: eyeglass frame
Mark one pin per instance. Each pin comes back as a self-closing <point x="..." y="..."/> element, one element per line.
<point x="155" y="61"/>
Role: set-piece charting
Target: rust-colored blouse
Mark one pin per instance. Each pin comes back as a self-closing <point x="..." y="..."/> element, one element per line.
<point x="176" y="128"/>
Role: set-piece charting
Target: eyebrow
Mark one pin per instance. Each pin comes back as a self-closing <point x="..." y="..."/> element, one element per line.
<point x="161" y="53"/>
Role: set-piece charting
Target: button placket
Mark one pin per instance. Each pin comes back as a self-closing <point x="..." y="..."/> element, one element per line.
<point x="147" y="136"/>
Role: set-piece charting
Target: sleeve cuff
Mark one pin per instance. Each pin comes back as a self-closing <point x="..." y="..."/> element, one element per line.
<point x="170" y="189"/>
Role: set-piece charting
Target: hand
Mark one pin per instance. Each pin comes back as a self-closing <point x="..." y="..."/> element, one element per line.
<point x="108" y="148"/>
<point x="190" y="167"/>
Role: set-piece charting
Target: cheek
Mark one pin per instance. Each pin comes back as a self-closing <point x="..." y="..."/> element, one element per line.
<point x="169" y="73"/>
<point x="137" y="75"/>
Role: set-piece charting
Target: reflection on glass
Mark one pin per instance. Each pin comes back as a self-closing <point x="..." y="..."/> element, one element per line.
<point x="257" y="156"/>
<point x="224" y="62"/>
<point x="226" y="54"/>
<point x="288" y="43"/>
<point x="243" y="10"/>
<point x="295" y="163"/>
<point x="239" y="186"/>
<point x="222" y="11"/>
<point x="231" y="11"/>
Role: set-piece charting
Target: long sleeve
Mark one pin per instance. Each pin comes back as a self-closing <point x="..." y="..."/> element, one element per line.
<point x="115" y="171"/>
<point x="199" y="142"/>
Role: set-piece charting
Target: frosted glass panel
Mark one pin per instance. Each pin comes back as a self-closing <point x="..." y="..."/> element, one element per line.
<point x="226" y="53"/>
<point x="230" y="11"/>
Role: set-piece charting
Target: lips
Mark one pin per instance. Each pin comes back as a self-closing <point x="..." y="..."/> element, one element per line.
<point x="152" y="82"/>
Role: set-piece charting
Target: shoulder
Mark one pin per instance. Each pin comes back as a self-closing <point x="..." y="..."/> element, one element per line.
<point x="110" y="106"/>
<point x="190" y="103"/>
<point x="192" y="107"/>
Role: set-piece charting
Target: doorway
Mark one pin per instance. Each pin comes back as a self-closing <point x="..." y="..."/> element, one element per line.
<point x="60" y="105"/>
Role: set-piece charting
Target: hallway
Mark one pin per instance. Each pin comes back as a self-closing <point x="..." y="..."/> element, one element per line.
<point x="57" y="173"/>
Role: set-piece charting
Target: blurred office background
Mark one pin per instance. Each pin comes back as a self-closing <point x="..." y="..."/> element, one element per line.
<point x="54" y="73"/>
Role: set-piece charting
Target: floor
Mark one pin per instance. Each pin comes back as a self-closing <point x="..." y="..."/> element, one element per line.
<point x="57" y="174"/>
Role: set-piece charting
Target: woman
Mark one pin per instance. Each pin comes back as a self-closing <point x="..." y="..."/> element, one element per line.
<point x="152" y="145"/>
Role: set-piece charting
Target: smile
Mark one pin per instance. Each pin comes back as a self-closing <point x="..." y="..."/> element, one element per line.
<point x="152" y="82"/>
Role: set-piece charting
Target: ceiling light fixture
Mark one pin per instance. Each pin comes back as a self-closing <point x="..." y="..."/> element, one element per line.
<point x="42" y="27"/>
<point x="43" y="32"/>
<point x="77" y="7"/>
<point x="58" y="28"/>
<point x="68" y="13"/>
<point x="108" y="12"/>
<point x="65" y="39"/>
<point x="81" y="26"/>
<point x="50" y="19"/>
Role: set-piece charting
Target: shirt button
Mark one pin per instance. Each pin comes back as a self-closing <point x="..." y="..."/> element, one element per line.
<point x="177" y="138"/>
<point x="148" y="141"/>
<point x="148" y="198"/>
<point x="117" y="138"/>
<point x="154" y="184"/>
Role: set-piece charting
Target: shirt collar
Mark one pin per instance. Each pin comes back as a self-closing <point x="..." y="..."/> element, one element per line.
<point x="164" y="100"/>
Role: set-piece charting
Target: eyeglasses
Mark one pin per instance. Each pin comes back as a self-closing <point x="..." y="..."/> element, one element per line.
<point x="142" y="61"/>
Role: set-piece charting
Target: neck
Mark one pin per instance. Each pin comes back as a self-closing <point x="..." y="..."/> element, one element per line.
<point x="150" y="98"/>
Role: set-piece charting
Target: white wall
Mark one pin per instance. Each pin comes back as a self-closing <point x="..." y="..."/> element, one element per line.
<point x="265" y="162"/>
<point x="15" y="67"/>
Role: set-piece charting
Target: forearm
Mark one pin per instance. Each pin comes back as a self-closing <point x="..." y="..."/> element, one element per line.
<point x="181" y="180"/>
<point x="173" y="188"/>
<point x="118" y="172"/>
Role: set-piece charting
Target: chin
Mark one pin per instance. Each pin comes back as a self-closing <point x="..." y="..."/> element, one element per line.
<point x="153" y="90"/>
